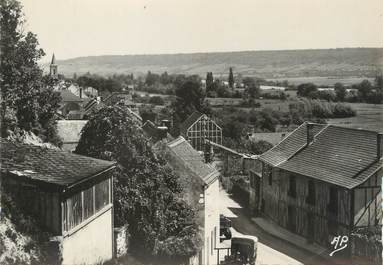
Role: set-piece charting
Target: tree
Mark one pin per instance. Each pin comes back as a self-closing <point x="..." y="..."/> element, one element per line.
<point x="231" y="78"/>
<point x="340" y="91"/>
<point x="189" y="98"/>
<point x="307" y="90"/>
<point x="147" y="193"/>
<point x="378" y="83"/>
<point x="209" y="81"/>
<point x="364" y="89"/>
<point x="252" y="88"/>
<point x="22" y="84"/>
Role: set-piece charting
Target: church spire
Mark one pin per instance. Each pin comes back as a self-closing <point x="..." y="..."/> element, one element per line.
<point x="53" y="67"/>
<point x="53" y="59"/>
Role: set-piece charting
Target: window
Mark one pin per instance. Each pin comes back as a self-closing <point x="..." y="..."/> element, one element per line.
<point x="83" y="205"/>
<point x="292" y="192"/>
<point x="102" y="194"/>
<point x="311" y="193"/>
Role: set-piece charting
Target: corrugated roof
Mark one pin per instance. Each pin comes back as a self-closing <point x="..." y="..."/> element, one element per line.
<point x="195" y="116"/>
<point x="182" y="150"/>
<point x="341" y="156"/>
<point x="51" y="166"/>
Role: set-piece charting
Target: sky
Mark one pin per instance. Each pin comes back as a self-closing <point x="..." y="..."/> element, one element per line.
<point x="76" y="28"/>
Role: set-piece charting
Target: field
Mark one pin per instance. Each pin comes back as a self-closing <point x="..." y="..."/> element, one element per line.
<point x="369" y="117"/>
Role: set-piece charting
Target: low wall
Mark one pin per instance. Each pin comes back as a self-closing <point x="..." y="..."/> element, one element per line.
<point x="121" y="241"/>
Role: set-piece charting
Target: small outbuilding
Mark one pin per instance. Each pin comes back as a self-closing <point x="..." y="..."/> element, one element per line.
<point x="69" y="195"/>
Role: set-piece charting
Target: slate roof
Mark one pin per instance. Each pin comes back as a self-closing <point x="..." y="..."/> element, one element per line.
<point x="59" y="168"/>
<point x="341" y="156"/>
<point x="190" y="120"/>
<point x="183" y="151"/>
<point x="68" y="96"/>
<point x="289" y="145"/>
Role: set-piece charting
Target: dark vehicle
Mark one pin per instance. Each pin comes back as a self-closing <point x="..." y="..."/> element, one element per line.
<point x="224" y="228"/>
<point x="243" y="251"/>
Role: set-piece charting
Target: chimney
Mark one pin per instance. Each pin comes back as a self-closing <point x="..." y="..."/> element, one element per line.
<point x="310" y="133"/>
<point x="379" y="145"/>
<point x="80" y="92"/>
<point x="162" y="132"/>
<point x="167" y="123"/>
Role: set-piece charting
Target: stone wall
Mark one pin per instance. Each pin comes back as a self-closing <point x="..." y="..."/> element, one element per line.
<point x="121" y="241"/>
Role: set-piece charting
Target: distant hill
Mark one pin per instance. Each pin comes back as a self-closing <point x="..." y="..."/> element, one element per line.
<point x="348" y="62"/>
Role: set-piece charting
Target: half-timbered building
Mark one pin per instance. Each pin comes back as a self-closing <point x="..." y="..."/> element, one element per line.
<point x="69" y="195"/>
<point x="322" y="181"/>
<point x="198" y="127"/>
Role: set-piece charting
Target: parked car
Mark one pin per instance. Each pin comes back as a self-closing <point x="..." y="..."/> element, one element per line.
<point x="224" y="228"/>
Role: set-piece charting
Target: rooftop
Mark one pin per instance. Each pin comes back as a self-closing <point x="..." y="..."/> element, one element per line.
<point x="68" y="96"/>
<point x="341" y="156"/>
<point x="59" y="168"/>
<point x="195" y="116"/>
<point x="182" y="150"/>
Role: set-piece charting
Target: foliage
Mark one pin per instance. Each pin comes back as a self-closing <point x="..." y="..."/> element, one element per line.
<point x="20" y="237"/>
<point x="156" y="100"/>
<point x="307" y="90"/>
<point x="24" y="91"/>
<point x="340" y="91"/>
<point x="231" y="78"/>
<point x="323" y="109"/>
<point x="209" y="81"/>
<point x="189" y="98"/>
<point x="147" y="194"/>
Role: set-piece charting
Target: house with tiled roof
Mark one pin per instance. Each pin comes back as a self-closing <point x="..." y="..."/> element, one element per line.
<point x="201" y="185"/>
<point x="321" y="181"/>
<point x="71" y="106"/>
<point x="69" y="195"/>
<point x="198" y="127"/>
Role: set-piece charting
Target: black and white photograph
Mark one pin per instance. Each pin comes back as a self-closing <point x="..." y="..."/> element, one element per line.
<point x="191" y="132"/>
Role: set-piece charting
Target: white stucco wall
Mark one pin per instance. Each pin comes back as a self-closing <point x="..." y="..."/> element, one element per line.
<point x="92" y="243"/>
<point x="211" y="229"/>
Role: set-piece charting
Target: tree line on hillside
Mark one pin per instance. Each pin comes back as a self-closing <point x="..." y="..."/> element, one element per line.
<point x="364" y="91"/>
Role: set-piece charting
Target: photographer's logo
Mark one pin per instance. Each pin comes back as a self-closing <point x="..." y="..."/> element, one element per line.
<point x="339" y="243"/>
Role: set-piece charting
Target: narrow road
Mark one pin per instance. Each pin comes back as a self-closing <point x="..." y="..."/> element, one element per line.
<point x="271" y="250"/>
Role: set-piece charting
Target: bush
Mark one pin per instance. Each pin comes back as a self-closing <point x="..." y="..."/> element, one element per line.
<point x="148" y="196"/>
<point x="157" y="100"/>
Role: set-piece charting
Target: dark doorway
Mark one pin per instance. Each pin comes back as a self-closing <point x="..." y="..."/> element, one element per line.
<point x="292" y="218"/>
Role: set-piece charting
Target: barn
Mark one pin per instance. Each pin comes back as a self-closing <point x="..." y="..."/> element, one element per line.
<point x="322" y="181"/>
<point x="198" y="127"/>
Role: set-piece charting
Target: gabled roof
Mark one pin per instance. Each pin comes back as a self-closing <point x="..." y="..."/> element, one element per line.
<point x="341" y="156"/>
<point x="68" y="96"/>
<point x="195" y="116"/>
<point x="58" y="168"/>
<point x="183" y="152"/>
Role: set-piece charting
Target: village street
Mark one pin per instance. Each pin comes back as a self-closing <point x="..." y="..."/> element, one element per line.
<point x="271" y="250"/>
